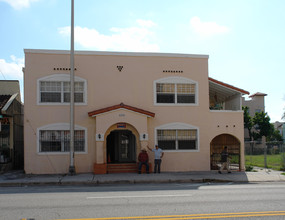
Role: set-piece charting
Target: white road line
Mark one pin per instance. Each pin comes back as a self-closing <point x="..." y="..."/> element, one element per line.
<point x="143" y="196"/>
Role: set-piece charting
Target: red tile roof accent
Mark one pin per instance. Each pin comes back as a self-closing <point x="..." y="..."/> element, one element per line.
<point x="229" y="86"/>
<point x="122" y="105"/>
<point x="258" y="94"/>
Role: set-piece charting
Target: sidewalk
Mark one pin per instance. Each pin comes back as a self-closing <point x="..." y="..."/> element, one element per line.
<point x="18" y="178"/>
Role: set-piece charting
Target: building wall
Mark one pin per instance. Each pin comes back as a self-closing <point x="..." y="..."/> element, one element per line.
<point x="134" y="86"/>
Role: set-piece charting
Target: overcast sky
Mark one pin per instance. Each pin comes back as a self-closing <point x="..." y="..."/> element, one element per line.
<point x="244" y="38"/>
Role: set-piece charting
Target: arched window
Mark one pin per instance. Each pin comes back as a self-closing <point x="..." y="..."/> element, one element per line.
<point x="55" y="138"/>
<point x="177" y="137"/>
<point x="55" y="89"/>
<point x="175" y="91"/>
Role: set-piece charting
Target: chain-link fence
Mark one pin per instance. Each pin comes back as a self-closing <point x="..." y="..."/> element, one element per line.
<point x="267" y="155"/>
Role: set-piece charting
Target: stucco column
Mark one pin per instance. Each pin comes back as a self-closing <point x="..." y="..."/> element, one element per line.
<point x="144" y="144"/>
<point x="99" y="152"/>
<point x="242" y="157"/>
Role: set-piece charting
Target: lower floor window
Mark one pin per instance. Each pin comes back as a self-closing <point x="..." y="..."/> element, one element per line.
<point x="59" y="141"/>
<point x="177" y="139"/>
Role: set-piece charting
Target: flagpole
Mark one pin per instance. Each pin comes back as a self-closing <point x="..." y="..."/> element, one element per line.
<point x="71" y="166"/>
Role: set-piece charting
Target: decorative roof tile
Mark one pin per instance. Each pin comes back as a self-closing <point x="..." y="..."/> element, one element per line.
<point x="120" y="106"/>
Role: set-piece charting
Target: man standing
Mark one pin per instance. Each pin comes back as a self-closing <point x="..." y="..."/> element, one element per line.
<point x="225" y="160"/>
<point x="143" y="160"/>
<point x="158" y="154"/>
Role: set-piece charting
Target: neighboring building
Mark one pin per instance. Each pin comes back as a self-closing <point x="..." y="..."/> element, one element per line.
<point x="255" y="104"/>
<point x="124" y="102"/>
<point x="11" y="126"/>
<point x="280" y="126"/>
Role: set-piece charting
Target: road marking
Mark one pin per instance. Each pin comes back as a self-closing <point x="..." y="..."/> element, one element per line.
<point x="195" y="216"/>
<point x="137" y="196"/>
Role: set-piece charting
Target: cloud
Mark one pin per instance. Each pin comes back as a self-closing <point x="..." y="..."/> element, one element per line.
<point x="137" y="38"/>
<point x="11" y="70"/>
<point x="207" y="28"/>
<point x="19" y="4"/>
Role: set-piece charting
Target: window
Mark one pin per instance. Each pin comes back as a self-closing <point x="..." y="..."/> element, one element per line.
<point x="59" y="141"/>
<point x="175" y="90"/>
<point x="60" y="91"/>
<point x="55" y="138"/>
<point x="56" y="89"/>
<point x="177" y="139"/>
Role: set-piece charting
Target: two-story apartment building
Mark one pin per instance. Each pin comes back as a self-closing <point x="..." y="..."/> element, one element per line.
<point x="124" y="102"/>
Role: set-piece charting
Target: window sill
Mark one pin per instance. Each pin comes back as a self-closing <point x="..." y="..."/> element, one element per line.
<point x="175" y="104"/>
<point x="180" y="151"/>
<point x="58" y="103"/>
<point x="59" y="153"/>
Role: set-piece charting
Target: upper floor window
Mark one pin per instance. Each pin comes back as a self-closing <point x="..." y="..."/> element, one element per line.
<point x="56" y="89"/>
<point x="175" y="90"/>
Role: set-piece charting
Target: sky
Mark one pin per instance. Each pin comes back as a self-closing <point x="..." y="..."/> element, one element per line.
<point x="245" y="39"/>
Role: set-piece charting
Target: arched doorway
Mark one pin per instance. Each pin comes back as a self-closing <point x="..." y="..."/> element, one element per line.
<point x="217" y="145"/>
<point x="121" y="147"/>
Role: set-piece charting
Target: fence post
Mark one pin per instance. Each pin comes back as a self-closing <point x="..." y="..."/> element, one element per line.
<point x="282" y="149"/>
<point x="265" y="155"/>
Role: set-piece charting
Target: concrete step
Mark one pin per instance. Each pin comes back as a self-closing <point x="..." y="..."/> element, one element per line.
<point x="122" y="168"/>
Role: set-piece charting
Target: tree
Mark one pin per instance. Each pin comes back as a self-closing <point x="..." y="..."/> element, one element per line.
<point x="262" y="125"/>
<point x="275" y="136"/>
<point x="248" y="123"/>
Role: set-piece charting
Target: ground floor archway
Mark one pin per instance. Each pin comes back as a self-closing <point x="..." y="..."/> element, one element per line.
<point x="234" y="149"/>
<point x="121" y="147"/>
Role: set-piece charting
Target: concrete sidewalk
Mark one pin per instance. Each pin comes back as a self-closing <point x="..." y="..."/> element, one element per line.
<point x="18" y="178"/>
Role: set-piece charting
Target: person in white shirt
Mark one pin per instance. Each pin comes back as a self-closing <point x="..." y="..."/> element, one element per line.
<point x="158" y="154"/>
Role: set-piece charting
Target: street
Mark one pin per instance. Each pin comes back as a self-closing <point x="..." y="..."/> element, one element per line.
<point x="145" y="201"/>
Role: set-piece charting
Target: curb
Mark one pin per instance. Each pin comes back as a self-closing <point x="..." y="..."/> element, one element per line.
<point x="109" y="182"/>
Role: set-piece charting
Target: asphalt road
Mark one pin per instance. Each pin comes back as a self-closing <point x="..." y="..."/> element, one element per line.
<point x="148" y="201"/>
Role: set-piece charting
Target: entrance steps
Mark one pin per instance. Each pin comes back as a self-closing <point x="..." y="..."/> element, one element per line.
<point x="122" y="168"/>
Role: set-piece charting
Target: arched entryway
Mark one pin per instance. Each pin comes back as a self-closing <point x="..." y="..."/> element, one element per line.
<point x="121" y="147"/>
<point x="217" y="145"/>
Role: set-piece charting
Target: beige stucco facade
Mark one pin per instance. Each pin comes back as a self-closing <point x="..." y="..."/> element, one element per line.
<point x="109" y="79"/>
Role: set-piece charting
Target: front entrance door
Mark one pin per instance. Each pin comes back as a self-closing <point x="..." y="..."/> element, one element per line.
<point x="121" y="147"/>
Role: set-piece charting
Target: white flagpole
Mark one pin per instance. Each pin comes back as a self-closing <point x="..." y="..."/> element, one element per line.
<point x="72" y="167"/>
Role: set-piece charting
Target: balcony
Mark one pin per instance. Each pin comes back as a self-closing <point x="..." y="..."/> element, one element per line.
<point x="224" y="97"/>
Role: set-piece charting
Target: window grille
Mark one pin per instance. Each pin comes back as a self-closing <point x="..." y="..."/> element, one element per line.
<point x="59" y="141"/>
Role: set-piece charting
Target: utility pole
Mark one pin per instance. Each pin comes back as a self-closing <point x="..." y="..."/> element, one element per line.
<point x="71" y="166"/>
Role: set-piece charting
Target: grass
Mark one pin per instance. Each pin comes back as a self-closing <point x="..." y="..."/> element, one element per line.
<point x="273" y="161"/>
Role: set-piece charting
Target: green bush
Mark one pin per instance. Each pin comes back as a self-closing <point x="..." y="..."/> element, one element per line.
<point x="248" y="168"/>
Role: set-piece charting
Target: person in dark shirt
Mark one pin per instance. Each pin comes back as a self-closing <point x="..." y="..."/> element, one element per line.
<point x="225" y="160"/>
<point x="143" y="160"/>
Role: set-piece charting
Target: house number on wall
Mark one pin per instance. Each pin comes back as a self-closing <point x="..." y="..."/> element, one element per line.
<point x="122" y="115"/>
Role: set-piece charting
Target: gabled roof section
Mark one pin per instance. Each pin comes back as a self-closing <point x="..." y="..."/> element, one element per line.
<point x="120" y="106"/>
<point x="3" y="100"/>
<point x="229" y="86"/>
<point x="10" y="87"/>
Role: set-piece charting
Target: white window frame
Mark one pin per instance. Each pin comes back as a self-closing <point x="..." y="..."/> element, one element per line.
<point x="60" y="78"/>
<point x="61" y="127"/>
<point x="179" y="126"/>
<point x="176" y="80"/>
